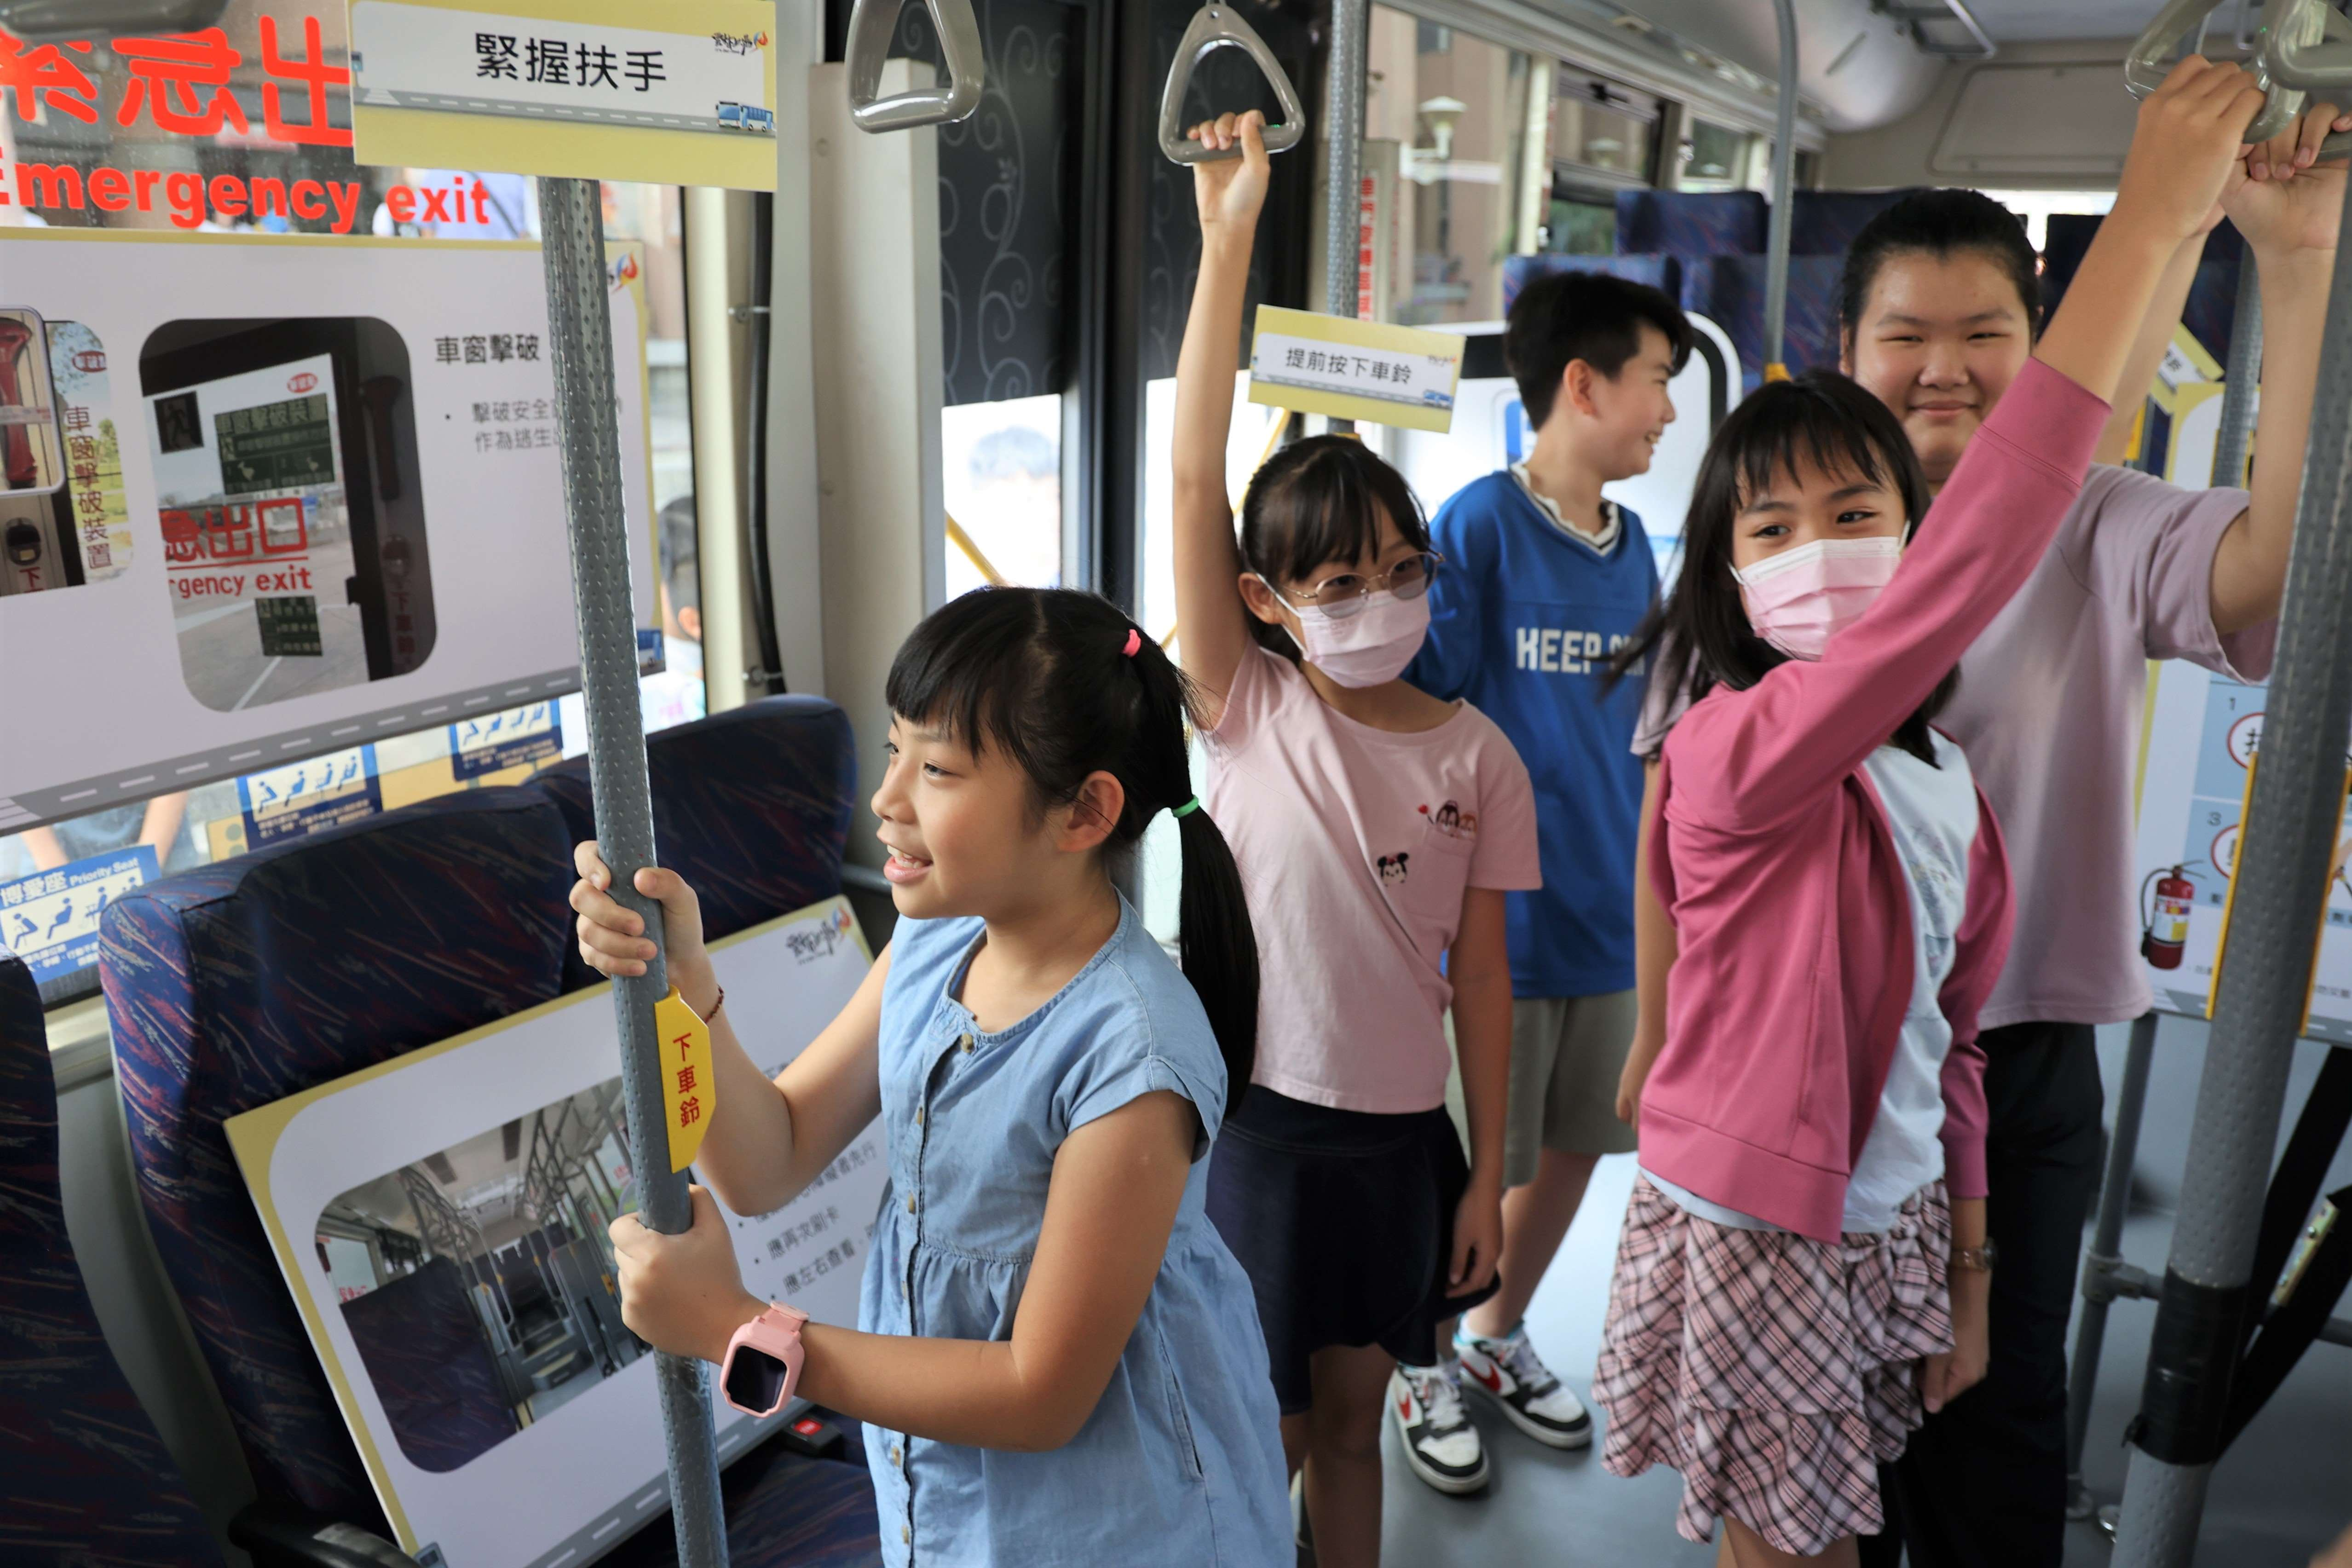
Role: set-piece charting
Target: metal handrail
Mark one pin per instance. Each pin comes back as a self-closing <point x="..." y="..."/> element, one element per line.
<point x="1784" y="199"/>
<point x="2305" y="45"/>
<point x="871" y="23"/>
<point x="1219" y="27"/>
<point x="2150" y="59"/>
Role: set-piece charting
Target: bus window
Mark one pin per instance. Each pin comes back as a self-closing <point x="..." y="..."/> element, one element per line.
<point x="1002" y="472"/>
<point x="265" y="462"/>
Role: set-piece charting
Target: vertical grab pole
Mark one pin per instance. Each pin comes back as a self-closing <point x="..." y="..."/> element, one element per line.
<point x="2106" y="1254"/>
<point x="1784" y="187"/>
<point x="579" y="326"/>
<point x="2241" y="378"/>
<point x="1343" y="130"/>
<point x="2295" y="807"/>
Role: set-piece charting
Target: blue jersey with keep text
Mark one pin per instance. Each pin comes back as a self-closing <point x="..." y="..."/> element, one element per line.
<point x="1524" y="617"/>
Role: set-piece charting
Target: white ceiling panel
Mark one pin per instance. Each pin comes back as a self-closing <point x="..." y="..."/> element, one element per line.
<point x="2018" y="21"/>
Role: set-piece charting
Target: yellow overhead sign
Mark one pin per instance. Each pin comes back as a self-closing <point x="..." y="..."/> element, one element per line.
<point x="1367" y="371"/>
<point x="683" y="93"/>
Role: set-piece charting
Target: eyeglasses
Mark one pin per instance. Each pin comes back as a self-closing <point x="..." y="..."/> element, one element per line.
<point x="1343" y="595"/>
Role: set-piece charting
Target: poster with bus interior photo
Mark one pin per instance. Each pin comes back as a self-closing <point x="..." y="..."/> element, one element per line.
<point x="2203" y="732"/>
<point x="442" y="1222"/>
<point x="64" y="522"/>
<point x="332" y="495"/>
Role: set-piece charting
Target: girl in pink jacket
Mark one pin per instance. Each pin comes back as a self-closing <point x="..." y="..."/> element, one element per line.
<point x="1803" y="1266"/>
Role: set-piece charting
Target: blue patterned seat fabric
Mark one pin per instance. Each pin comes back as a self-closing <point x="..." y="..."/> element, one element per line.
<point x="84" y="1479"/>
<point x="1825" y="222"/>
<point x="1729" y="291"/>
<point x="752" y="807"/>
<point x="1663" y="273"/>
<point x="237" y="984"/>
<point x="1690" y="225"/>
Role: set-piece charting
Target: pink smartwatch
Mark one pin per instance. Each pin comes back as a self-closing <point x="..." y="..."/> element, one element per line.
<point x="763" y="1360"/>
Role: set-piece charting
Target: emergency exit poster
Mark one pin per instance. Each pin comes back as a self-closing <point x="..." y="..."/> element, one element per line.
<point x="2203" y="730"/>
<point x="312" y="499"/>
<point x="442" y="1219"/>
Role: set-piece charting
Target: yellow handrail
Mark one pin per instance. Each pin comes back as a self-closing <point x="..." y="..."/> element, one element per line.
<point x="972" y="553"/>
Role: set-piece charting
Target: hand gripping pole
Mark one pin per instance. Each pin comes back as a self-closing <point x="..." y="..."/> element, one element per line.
<point x="1219" y="27"/>
<point x="579" y="328"/>
<point x="871" y="23"/>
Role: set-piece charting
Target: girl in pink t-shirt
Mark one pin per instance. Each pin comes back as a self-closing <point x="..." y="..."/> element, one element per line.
<point x="1377" y="829"/>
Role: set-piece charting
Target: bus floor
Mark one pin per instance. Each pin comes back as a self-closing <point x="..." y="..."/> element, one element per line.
<point x="2277" y="1496"/>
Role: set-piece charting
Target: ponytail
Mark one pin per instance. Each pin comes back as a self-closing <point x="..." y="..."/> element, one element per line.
<point x="1067" y="688"/>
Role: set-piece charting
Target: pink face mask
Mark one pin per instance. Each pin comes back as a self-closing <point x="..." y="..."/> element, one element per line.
<point x="1801" y="598"/>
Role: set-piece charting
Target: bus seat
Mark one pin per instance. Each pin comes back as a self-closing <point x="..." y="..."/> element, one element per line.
<point x="783" y="1511"/>
<point x="2212" y="306"/>
<point x="752" y="807"/>
<point x="1664" y="273"/>
<point x="431" y="1367"/>
<point x="1690" y="225"/>
<point x="1729" y="291"/>
<point x="1825" y="222"/>
<point x="87" y="1479"/>
<point x="236" y="984"/>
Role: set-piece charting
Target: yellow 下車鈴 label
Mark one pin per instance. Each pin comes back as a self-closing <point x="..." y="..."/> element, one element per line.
<point x="689" y="1089"/>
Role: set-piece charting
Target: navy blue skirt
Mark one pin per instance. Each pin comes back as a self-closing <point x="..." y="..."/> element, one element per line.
<point x="1344" y="1222"/>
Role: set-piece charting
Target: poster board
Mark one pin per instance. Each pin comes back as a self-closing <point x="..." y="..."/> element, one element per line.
<point x="357" y="1182"/>
<point x="294" y="532"/>
<point x="2203" y="732"/>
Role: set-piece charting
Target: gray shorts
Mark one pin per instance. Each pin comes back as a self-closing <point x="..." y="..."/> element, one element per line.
<point x="1566" y="1054"/>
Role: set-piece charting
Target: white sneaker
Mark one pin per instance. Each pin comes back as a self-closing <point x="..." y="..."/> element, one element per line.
<point x="1440" y="1444"/>
<point x="1509" y="1372"/>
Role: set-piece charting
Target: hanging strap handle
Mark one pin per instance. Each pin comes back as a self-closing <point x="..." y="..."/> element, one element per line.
<point x="1216" y="26"/>
<point x="871" y="23"/>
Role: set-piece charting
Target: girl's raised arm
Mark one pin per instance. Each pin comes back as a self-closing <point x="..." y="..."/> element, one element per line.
<point x="1212" y="626"/>
<point x="2181" y="156"/>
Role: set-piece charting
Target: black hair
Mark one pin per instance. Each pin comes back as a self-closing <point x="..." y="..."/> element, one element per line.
<point x="1940" y="223"/>
<point x="1590" y="316"/>
<point x="1700" y="637"/>
<point x="1316" y="501"/>
<point x="1042" y="675"/>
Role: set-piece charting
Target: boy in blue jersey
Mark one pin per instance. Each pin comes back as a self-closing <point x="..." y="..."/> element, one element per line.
<point x="1543" y="579"/>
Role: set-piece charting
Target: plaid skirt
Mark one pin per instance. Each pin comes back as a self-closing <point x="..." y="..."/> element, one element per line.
<point x="1775" y="1372"/>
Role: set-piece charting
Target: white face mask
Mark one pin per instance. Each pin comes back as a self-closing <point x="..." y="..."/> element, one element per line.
<point x="1371" y="646"/>
<point x="1801" y="598"/>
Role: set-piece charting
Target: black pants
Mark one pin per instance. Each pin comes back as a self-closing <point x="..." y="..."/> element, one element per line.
<point x="1983" y="1484"/>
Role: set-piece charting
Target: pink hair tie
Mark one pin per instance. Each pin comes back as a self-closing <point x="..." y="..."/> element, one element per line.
<point x="1134" y="641"/>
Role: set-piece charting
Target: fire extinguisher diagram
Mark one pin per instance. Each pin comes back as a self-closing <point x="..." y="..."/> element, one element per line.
<point x="2164" y="932"/>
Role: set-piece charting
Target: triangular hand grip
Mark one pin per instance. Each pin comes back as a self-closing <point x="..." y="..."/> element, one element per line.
<point x="1214" y="27"/>
<point x="871" y="23"/>
<point x="2305" y="45"/>
<point x="2289" y="26"/>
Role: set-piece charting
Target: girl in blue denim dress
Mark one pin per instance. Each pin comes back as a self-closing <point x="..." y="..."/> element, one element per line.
<point x="1057" y="1359"/>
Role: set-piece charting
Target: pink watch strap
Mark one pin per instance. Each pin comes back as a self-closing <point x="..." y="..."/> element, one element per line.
<point x="763" y="1360"/>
